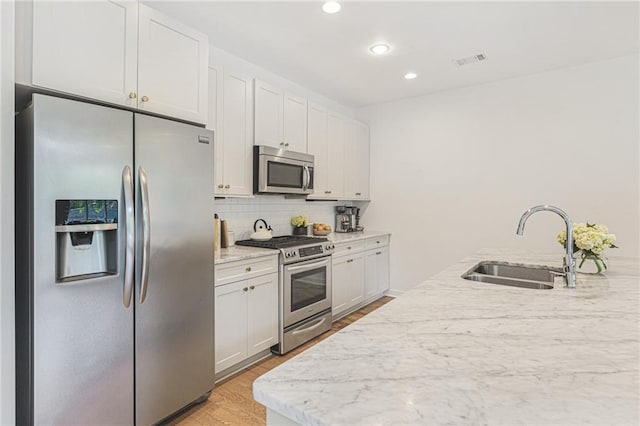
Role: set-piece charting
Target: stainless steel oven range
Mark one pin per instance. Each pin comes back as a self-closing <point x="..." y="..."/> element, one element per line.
<point x="304" y="287"/>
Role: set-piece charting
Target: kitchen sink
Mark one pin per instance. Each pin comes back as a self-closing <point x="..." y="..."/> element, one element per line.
<point x="514" y="274"/>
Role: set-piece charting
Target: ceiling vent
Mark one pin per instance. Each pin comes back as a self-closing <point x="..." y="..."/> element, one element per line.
<point x="471" y="59"/>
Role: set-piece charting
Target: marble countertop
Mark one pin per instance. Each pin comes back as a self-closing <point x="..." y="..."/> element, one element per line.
<point x="457" y="352"/>
<point x="235" y="253"/>
<point x="338" y="237"/>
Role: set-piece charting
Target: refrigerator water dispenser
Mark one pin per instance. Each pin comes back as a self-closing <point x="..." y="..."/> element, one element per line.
<point x="86" y="239"/>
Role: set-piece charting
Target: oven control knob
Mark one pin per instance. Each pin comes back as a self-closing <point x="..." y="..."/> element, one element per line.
<point x="294" y="254"/>
<point x="287" y="254"/>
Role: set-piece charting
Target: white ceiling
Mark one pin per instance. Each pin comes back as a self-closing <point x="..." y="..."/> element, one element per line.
<point x="328" y="53"/>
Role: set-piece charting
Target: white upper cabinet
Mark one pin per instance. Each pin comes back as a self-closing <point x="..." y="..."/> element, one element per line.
<point x="325" y="142"/>
<point x="234" y="150"/>
<point x="336" y="132"/>
<point x="357" y="157"/>
<point x="122" y="53"/>
<point x="269" y="103"/>
<point x="295" y="123"/>
<point x="88" y="49"/>
<point x="172" y="67"/>
<point x="280" y="118"/>
<point x="317" y="145"/>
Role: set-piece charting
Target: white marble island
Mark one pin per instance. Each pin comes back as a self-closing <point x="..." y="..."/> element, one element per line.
<point x="453" y="351"/>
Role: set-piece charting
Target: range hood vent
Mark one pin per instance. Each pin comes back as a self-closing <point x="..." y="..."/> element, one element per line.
<point x="471" y="59"/>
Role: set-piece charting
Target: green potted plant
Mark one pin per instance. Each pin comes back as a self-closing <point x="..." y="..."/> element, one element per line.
<point x="299" y="224"/>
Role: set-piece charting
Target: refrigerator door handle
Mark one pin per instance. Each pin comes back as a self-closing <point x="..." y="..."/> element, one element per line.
<point x="129" y="263"/>
<point x="146" y="233"/>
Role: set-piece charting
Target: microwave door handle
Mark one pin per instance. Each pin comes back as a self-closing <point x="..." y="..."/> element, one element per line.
<point x="307" y="180"/>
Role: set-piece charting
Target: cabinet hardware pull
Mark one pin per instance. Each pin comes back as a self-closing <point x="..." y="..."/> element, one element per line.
<point x="349" y="248"/>
<point x="281" y="143"/>
<point x="350" y="260"/>
<point x="220" y="186"/>
<point x="133" y="95"/>
<point x="378" y="252"/>
<point x="145" y="99"/>
<point x="377" y="242"/>
<point x="327" y="192"/>
<point x="358" y="193"/>
<point x="253" y="287"/>
<point x="286" y="144"/>
<point x="227" y="186"/>
<point x="245" y="289"/>
<point x="248" y="269"/>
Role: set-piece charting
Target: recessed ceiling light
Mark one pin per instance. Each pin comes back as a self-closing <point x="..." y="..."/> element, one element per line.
<point x="379" y="48"/>
<point x="331" y="7"/>
<point x="410" y="75"/>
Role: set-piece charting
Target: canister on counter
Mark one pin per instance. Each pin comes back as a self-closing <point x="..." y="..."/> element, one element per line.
<point x="224" y="236"/>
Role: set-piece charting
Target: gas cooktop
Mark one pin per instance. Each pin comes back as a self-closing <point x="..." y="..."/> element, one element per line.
<point x="281" y="242"/>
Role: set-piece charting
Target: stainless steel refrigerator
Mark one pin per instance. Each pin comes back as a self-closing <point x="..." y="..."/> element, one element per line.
<point x="114" y="286"/>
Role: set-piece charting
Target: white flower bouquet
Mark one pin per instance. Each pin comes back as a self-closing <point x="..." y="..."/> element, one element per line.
<point x="590" y="240"/>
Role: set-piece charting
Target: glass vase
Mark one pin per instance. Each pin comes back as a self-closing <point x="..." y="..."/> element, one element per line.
<point x="589" y="263"/>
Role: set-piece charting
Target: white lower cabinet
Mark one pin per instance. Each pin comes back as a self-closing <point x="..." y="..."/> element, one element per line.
<point x="347" y="283"/>
<point x="246" y="315"/>
<point x="360" y="273"/>
<point x="376" y="272"/>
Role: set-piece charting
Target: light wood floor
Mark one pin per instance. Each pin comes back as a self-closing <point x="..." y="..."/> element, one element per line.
<point x="231" y="402"/>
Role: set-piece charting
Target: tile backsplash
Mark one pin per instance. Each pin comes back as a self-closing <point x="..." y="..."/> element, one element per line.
<point x="276" y="210"/>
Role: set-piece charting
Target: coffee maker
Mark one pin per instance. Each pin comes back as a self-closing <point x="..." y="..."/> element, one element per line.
<point x="347" y="219"/>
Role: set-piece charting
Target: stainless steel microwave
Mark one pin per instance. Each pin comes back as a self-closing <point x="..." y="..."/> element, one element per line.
<point x="276" y="171"/>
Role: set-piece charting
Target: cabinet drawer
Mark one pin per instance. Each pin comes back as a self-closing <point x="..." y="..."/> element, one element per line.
<point x="348" y="247"/>
<point x="374" y="242"/>
<point x="244" y="269"/>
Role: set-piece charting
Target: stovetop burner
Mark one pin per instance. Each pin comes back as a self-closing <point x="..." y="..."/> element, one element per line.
<point x="283" y="241"/>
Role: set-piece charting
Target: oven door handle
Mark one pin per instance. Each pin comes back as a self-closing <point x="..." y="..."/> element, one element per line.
<point x="313" y="327"/>
<point x="307" y="266"/>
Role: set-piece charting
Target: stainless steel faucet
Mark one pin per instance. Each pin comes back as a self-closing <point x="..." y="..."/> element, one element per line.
<point x="569" y="260"/>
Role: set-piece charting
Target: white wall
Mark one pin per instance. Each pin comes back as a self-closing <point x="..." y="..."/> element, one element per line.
<point x="7" y="361"/>
<point x="453" y="171"/>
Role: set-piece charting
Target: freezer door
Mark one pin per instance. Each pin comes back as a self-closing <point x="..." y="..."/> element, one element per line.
<point x="174" y="266"/>
<point x="74" y="332"/>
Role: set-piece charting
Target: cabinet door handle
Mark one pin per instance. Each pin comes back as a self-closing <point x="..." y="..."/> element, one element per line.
<point x="227" y="186"/>
<point x="248" y="269"/>
<point x="253" y="287"/>
<point x="349" y="248"/>
<point x="220" y="186"/>
<point x="145" y="99"/>
<point x="286" y="144"/>
<point x="281" y="143"/>
<point x="377" y="242"/>
<point x="245" y="289"/>
<point x="378" y="252"/>
<point x="133" y="95"/>
<point x="358" y="193"/>
<point x="350" y="260"/>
